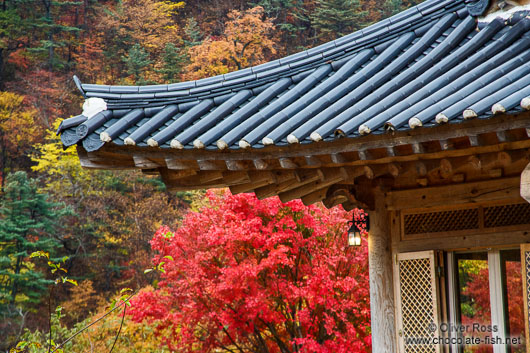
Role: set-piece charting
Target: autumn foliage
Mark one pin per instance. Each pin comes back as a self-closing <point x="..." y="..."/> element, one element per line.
<point x="244" y="275"/>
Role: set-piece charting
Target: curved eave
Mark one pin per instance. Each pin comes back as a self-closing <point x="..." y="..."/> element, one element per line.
<point x="427" y="66"/>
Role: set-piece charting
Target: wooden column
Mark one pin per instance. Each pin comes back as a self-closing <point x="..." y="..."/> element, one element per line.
<point x="381" y="282"/>
<point x="525" y="183"/>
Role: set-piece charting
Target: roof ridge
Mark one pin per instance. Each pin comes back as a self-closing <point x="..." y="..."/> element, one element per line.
<point x="301" y="61"/>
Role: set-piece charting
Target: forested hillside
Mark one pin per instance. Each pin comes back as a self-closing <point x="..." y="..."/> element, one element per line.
<point x="98" y="224"/>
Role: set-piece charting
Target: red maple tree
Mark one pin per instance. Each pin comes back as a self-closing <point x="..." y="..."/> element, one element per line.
<point x="244" y="275"/>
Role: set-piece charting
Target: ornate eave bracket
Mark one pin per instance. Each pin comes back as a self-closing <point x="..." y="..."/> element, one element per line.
<point x="478" y="8"/>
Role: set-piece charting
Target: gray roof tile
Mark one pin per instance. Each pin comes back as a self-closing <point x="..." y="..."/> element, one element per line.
<point x="429" y="61"/>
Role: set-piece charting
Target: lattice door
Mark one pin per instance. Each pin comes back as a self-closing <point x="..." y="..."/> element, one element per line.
<point x="525" y="262"/>
<point x="417" y="302"/>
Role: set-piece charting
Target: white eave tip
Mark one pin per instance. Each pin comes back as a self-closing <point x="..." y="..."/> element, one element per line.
<point x="244" y="144"/>
<point x="176" y="144"/>
<point x="198" y="144"/>
<point x="222" y="145"/>
<point x="441" y="118"/>
<point x="315" y="136"/>
<point x="105" y="137"/>
<point x="525" y="103"/>
<point x="92" y="106"/>
<point x="364" y="129"/>
<point x="415" y="122"/>
<point x="292" y="139"/>
<point x="129" y="141"/>
<point x="152" y="142"/>
<point x="469" y="114"/>
<point x="267" y="141"/>
<point x="498" y="108"/>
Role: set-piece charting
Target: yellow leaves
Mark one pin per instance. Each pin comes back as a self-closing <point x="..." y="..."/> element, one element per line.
<point x="17" y="122"/>
<point x="53" y="160"/>
<point x="248" y="40"/>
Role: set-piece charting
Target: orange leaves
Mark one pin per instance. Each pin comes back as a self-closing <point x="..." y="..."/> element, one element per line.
<point x="248" y="40"/>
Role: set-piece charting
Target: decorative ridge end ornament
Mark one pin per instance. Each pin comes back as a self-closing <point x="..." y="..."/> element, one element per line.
<point x="315" y="136"/>
<point x="244" y="144"/>
<point x="364" y="129"/>
<point x="267" y="141"/>
<point x="292" y="139"/>
<point x="510" y="10"/>
<point x="152" y="143"/>
<point x="415" y="122"/>
<point x="498" y="108"/>
<point x="441" y="118"/>
<point x="175" y="144"/>
<point x="92" y="106"/>
<point x="129" y="141"/>
<point x="478" y="8"/>
<point x="222" y="145"/>
<point x="105" y="137"/>
<point x="469" y="114"/>
<point x="198" y="144"/>
<point x="525" y="103"/>
<point x="79" y="86"/>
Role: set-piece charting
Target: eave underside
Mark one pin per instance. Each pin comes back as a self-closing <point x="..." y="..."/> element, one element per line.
<point x="343" y="171"/>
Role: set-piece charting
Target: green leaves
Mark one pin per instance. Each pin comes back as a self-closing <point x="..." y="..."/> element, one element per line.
<point x="137" y="61"/>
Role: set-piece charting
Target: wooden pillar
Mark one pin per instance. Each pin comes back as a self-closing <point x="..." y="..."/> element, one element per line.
<point x="525" y="183"/>
<point x="381" y="282"/>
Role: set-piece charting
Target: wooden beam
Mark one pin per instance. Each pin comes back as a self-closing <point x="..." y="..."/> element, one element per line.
<point x="144" y="163"/>
<point x="376" y="170"/>
<point x="308" y="188"/>
<point x="232" y="178"/>
<point x="282" y="175"/>
<point x="364" y="155"/>
<point x="274" y="189"/>
<point x="287" y="163"/>
<point x="208" y="176"/>
<point x="305" y="174"/>
<point x="445" y="145"/>
<point x="260" y="164"/>
<point x="265" y="176"/>
<point x="494" y="160"/>
<point x="235" y="165"/>
<point x="315" y="196"/>
<point x="497" y="189"/>
<point x="178" y="164"/>
<point x="206" y="164"/>
<point x="338" y="158"/>
<point x="90" y="164"/>
<point x="247" y="187"/>
<point x="473" y="140"/>
<point x="172" y="175"/>
<point x="417" y="148"/>
<point x="349" y="173"/>
<point x="446" y="168"/>
<point x="286" y="185"/>
<point x="153" y="171"/>
<point x="313" y="161"/>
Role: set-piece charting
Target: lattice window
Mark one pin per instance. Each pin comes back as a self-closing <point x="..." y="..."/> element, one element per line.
<point x="507" y="215"/>
<point x="417" y="301"/>
<point x="469" y="220"/>
<point x="525" y="252"/>
<point x="445" y="221"/>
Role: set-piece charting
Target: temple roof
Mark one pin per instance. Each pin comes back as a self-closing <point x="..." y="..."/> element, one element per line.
<point x="429" y="65"/>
